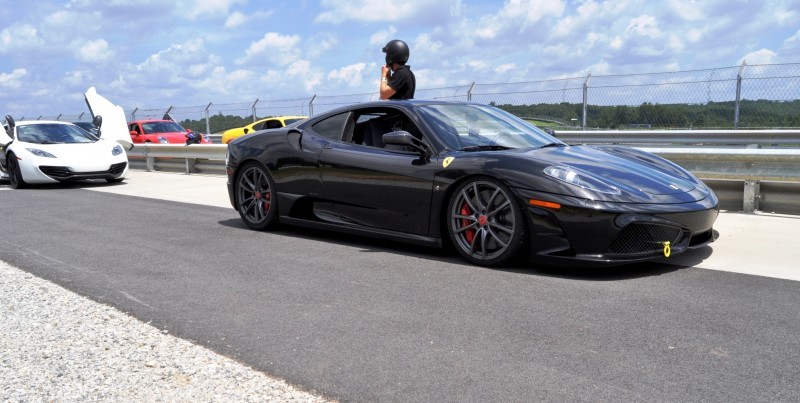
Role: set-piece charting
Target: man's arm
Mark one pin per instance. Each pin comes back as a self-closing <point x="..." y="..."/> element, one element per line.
<point x="384" y="89"/>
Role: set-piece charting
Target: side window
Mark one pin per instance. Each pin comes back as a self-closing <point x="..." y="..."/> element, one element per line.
<point x="371" y="125"/>
<point x="273" y="124"/>
<point x="333" y="127"/>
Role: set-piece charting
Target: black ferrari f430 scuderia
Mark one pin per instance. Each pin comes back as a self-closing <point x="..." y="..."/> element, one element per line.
<point x="472" y="176"/>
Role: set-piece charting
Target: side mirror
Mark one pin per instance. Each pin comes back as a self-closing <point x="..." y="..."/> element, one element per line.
<point x="550" y="131"/>
<point x="98" y="121"/>
<point x="10" y="127"/>
<point x="404" y="138"/>
<point x="134" y="133"/>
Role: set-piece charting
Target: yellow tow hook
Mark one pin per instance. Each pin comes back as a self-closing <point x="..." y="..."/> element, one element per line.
<point x="667" y="248"/>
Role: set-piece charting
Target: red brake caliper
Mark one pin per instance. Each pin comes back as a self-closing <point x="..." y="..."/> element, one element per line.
<point x="264" y="198"/>
<point x="470" y="233"/>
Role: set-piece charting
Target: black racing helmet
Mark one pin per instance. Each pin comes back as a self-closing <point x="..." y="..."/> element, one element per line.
<point x="396" y="52"/>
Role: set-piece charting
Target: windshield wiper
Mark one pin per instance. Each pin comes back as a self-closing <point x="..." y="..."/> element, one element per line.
<point x="553" y="145"/>
<point x="488" y="147"/>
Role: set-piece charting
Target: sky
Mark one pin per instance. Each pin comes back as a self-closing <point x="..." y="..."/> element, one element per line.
<point x="160" y="53"/>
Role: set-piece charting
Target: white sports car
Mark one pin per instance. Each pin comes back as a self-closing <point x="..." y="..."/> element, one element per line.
<point x="42" y="151"/>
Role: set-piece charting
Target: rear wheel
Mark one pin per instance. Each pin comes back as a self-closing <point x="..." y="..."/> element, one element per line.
<point x="256" y="196"/>
<point x="485" y="223"/>
<point x="14" y="173"/>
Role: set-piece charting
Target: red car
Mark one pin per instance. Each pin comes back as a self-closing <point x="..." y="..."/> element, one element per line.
<point x="162" y="131"/>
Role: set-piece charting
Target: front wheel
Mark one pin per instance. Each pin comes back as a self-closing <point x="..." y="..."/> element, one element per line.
<point x="255" y="197"/>
<point x="14" y="172"/>
<point x="485" y="222"/>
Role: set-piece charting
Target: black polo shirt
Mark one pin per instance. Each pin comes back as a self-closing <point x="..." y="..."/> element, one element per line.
<point x="403" y="82"/>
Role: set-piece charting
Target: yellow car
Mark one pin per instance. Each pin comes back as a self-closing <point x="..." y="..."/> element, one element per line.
<point x="267" y="123"/>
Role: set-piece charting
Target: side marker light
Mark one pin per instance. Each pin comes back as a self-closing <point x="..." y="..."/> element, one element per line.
<point x="545" y="204"/>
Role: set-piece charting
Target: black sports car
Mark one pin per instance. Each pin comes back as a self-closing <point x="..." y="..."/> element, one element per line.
<point x="472" y="176"/>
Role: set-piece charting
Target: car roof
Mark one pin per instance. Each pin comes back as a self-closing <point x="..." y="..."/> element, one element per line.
<point x="38" y="122"/>
<point x="151" y="120"/>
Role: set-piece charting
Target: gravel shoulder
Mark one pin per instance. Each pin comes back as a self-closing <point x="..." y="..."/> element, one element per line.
<point x="56" y="345"/>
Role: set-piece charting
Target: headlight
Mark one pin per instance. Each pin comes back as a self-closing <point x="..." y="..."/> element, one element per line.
<point x="117" y="150"/>
<point x="579" y="179"/>
<point x="162" y="139"/>
<point x="40" y="153"/>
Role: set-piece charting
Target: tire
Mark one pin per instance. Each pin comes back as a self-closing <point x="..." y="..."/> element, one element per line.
<point x="256" y="197"/>
<point x="14" y="173"/>
<point x="485" y="222"/>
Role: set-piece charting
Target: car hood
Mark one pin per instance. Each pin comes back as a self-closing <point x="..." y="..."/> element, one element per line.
<point x="114" y="126"/>
<point x="76" y="151"/>
<point x="639" y="176"/>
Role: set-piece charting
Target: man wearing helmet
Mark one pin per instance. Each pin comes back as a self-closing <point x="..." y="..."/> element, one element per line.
<point x="397" y="80"/>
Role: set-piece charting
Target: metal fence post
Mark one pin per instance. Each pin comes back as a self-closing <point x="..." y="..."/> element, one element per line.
<point x="469" y="92"/>
<point x="738" y="94"/>
<point x="311" y="105"/>
<point x="208" y="119"/>
<point x="133" y="114"/>
<point x="254" y="110"/>
<point x="585" y="99"/>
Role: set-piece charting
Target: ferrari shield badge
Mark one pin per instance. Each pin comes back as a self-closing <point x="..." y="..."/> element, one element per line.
<point x="447" y="161"/>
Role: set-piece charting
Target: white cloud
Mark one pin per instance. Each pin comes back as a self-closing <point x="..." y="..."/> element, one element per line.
<point x="383" y="36"/>
<point x="236" y="19"/>
<point x="644" y="25"/>
<point x="19" y="37"/>
<point x="196" y="9"/>
<point x="761" y="56"/>
<point x="95" y="51"/>
<point x="339" y="11"/>
<point x="13" y="79"/>
<point x="517" y="16"/>
<point x="505" y="68"/>
<point x="273" y="47"/>
<point x="688" y="10"/>
<point x="352" y="75"/>
<point x="239" y="19"/>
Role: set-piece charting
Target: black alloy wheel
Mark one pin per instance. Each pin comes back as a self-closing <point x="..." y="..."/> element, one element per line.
<point x="485" y="223"/>
<point x="14" y="173"/>
<point x="256" y="197"/>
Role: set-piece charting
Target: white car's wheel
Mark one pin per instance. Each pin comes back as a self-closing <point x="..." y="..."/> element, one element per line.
<point x="14" y="173"/>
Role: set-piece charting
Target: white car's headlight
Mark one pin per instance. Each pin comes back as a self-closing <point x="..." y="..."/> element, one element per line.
<point x="162" y="139"/>
<point x="40" y="153"/>
<point x="117" y="150"/>
<point x="580" y="179"/>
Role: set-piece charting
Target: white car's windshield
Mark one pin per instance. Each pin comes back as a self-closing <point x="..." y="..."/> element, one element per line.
<point x="53" y="133"/>
<point x="481" y="127"/>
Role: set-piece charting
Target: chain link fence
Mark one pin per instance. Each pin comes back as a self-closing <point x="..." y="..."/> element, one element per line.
<point x="745" y="96"/>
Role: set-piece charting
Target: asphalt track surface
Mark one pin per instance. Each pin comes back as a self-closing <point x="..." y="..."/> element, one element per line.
<point x="357" y="319"/>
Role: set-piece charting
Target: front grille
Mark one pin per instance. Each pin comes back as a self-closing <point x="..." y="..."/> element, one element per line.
<point x="56" y="172"/>
<point x="64" y="173"/>
<point x="645" y="239"/>
<point x="117" y="169"/>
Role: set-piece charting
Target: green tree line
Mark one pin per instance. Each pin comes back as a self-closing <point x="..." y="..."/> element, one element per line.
<point x="754" y="114"/>
<point x="714" y="115"/>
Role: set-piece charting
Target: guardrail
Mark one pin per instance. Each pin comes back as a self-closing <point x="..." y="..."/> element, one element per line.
<point x="745" y="179"/>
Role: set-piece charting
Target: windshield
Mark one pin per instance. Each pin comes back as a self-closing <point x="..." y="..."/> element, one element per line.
<point x="468" y="126"/>
<point x="53" y="133"/>
<point x="162" y="127"/>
